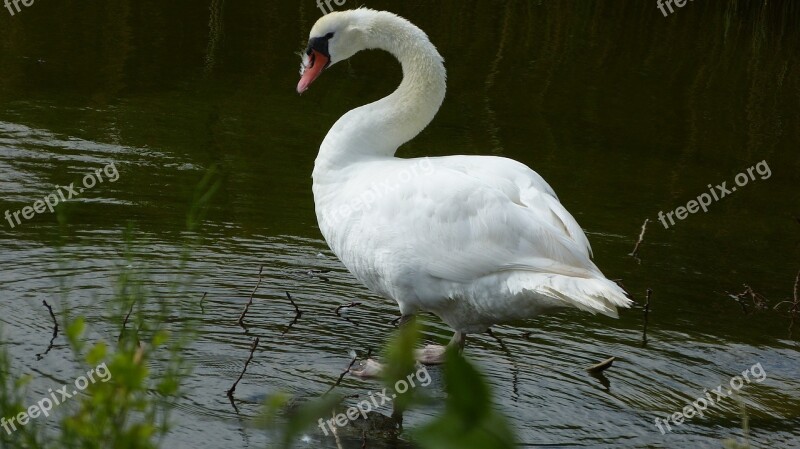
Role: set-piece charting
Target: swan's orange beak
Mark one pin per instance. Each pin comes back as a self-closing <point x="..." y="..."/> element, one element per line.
<point x="313" y="65"/>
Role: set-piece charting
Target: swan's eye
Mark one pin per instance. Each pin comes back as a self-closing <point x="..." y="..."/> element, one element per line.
<point x="328" y="36"/>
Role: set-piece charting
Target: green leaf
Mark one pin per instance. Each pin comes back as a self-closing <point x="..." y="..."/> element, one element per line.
<point x="160" y="338"/>
<point x="75" y="330"/>
<point x="468" y="393"/>
<point x="400" y="353"/>
<point x="97" y="353"/>
<point x="469" y="419"/>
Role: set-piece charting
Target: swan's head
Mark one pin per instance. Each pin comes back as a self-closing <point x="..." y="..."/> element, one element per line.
<point x="335" y="37"/>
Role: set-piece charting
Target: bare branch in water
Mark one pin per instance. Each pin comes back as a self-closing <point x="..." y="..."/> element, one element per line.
<point x="297" y="314"/>
<point x="296" y="309"/>
<point x="125" y="322"/>
<point x="635" y="251"/>
<point x="344" y="373"/>
<point x="55" y="331"/>
<point x="246" y="364"/>
<point x="202" y="310"/>
<point x="625" y="289"/>
<point x="602" y="366"/>
<point x="338" y="311"/>
<point x="250" y="301"/>
<point x="318" y="274"/>
<point x="759" y="300"/>
<point x="796" y="284"/>
<point x="646" y="315"/>
<point x="335" y="433"/>
<point x="511" y="358"/>
<point x="796" y="303"/>
<point x="346" y="306"/>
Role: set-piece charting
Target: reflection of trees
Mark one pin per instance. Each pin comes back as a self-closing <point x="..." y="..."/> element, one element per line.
<point x="535" y="53"/>
<point x="215" y="31"/>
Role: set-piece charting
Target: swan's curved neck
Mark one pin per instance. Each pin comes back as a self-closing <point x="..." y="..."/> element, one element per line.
<point x="378" y="129"/>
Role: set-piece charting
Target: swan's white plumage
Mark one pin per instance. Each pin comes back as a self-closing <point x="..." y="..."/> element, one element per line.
<point x="477" y="240"/>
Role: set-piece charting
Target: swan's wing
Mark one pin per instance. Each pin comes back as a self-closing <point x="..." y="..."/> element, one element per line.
<point x="523" y="186"/>
<point x="462" y="224"/>
<point x="466" y="222"/>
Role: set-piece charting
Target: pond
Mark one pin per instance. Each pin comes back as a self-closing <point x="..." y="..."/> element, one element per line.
<point x="628" y="112"/>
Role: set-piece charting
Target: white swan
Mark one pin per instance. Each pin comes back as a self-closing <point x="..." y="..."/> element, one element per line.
<point x="476" y="240"/>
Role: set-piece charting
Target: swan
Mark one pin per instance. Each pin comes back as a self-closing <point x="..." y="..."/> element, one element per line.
<point x="475" y="240"/>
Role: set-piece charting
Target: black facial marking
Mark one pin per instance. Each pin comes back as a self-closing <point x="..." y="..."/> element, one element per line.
<point x="320" y="44"/>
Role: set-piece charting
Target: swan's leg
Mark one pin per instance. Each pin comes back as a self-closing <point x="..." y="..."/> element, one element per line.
<point x="434" y="354"/>
<point x="429" y="355"/>
<point x="370" y="368"/>
<point x="402" y="320"/>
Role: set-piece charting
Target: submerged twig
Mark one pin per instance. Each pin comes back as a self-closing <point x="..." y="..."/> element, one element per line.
<point x="296" y="309"/>
<point x="55" y="331"/>
<point x="646" y="315"/>
<point x="246" y="364"/>
<point x="499" y="341"/>
<point x="347" y="370"/>
<point x="759" y="300"/>
<point x="297" y="314"/>
<point x="796" y="285"/>
<point x="602" y="366"/>
<point x="635" y="251"/>
<point x="338" y="312"/>
<point x="515" y="370"/>
<point x="318" y="274"/>
<point x="625" y="289"/>
<point x="202" y="310"/>
<point x="233" y="403"/>
<point x="250" y="301"/>
<point x="796" y="302"/>
<point x="602" y="379"/>
<point x="335" y="433"/>
<point x="346" y="306"/>
<point x="125" y="322"/>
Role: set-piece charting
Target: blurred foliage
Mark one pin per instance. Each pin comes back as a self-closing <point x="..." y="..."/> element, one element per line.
<point x="732" y="443"/>
<point x="129" y="408"/>
<point x="469" y="419"/>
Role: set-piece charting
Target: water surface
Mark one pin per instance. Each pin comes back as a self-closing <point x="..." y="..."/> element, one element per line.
<point x="625" y="112"/>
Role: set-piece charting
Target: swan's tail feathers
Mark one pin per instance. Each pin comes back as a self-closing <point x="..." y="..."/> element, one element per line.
<point x="594" y="295"/>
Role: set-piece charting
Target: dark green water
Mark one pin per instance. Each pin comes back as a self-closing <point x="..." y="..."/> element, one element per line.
<point x="625" y="112"/>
